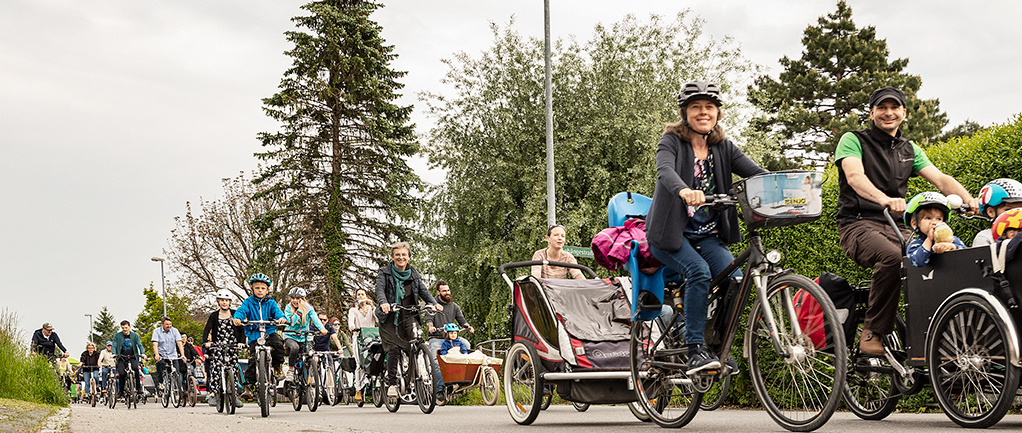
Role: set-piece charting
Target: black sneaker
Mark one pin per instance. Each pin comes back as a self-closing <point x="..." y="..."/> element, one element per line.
<point x="731" y="366"/>
<point x="699" y="359"/>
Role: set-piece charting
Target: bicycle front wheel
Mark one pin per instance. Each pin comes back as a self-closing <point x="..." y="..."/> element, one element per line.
<point x="800" y="377"/>
<point x="312" y="388"/>
<point x="111" y="392"/>
<point x="263" y="383"/>
<point x="329" y="382"/>
<point x="425" y="365"/>
<point x="193" y="392"/>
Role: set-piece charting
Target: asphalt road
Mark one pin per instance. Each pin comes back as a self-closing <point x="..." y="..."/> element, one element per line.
<point x="152" y="418"/>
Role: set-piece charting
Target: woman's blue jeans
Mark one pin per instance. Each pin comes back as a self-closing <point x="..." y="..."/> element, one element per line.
<point x="698" y="261"/>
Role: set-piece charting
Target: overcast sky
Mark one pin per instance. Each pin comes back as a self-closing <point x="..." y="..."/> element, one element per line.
<point x="113" y="114"/>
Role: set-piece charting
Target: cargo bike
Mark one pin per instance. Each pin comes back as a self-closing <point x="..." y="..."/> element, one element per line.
<point x="959" y="334"/>
<point x="462" y="373"/>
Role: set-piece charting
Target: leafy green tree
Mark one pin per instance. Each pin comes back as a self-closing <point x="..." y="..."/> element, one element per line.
<point x="178" y="309"/>
<point x="825" y="92"/>
<point x="103" y="327"/>
<point x="612" y="96"/>
<point x="338" y="161"/>
<point x="965" y="130"/>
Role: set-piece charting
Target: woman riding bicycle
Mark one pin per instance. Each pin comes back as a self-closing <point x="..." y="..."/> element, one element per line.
<point x="300" y="316"/>
<point x="396" y="282"/>
<point x="694" y="158"/>
<point x="219" y="329"/>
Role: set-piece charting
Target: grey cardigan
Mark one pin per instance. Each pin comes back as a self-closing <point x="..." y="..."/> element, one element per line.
<point x="675" y="167"/>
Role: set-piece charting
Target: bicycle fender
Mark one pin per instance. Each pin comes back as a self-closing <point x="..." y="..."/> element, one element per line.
<point x="999" y="309"/>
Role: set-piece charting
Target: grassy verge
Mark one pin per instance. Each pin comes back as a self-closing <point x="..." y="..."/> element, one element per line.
<point x="24" y="376"/>
<point x="17" y="416"/>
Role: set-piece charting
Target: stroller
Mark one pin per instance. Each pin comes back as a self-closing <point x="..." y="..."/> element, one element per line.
<point x="373" y="362"/>
<point x="570" y="336"/>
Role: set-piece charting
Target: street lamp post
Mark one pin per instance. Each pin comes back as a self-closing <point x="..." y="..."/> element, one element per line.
<point x="163" y="280"/>
<point x="91" y="329"/>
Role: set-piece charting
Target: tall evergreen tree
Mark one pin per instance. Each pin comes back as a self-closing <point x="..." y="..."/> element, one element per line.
<point x="338" y="161"/>
<point x="825" y="93"/>
<point x="103" y="327"/>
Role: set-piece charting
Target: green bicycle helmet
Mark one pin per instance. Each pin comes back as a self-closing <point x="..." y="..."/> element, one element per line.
<point x="926" y="199"/>
<point x="263" y="278"/>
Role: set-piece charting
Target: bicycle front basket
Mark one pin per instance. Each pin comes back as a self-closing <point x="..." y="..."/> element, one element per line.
<point x="780" y="199"/>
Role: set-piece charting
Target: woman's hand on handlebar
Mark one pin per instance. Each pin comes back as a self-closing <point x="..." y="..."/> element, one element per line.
<point x="692" y="197"/>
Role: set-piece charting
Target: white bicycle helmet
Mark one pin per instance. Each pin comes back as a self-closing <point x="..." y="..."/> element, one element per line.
<point x="297" y="292"/>
<point x="224" y="294"/>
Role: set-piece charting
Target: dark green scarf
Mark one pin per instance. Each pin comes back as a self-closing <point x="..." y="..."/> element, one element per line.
<point x="399" y="284"/>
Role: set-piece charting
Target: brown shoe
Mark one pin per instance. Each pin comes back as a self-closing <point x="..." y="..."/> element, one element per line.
<point x="869" y="343"/>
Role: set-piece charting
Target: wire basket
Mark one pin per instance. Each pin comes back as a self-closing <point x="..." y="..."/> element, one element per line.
<point x="780" y="199"/>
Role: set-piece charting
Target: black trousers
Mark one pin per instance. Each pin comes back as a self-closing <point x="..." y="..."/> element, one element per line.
<point x="276" y="345"/>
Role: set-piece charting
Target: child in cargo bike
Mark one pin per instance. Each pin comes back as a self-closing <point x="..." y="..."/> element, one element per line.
<point x="452" y="342"/>
<point x="926" y="214"/>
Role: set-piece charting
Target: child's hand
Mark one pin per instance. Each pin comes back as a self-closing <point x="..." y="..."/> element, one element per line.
<point x="943" y="247"/>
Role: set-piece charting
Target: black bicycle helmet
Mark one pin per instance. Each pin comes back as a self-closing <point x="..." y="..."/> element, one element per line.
<point x="699" y="90"/>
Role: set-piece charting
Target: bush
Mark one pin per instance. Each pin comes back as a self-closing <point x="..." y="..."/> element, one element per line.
<point x="25" y="376"/>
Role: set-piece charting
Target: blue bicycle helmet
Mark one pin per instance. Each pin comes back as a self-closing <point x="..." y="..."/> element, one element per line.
<point x="263" y="278"/>
<point x="999" y="191"/>
<point x="926" y="199"/>
<point x="452" y="327"/>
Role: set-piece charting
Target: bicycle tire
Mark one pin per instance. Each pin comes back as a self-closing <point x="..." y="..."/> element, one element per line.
<point x="970" y="368"/>
<point x="814" y="376"/>
<point x="111" y="392"/>
<point x="175" y="387"/>
<point x="377" y="392"/>
<point x="665" y="394"/>
<point x="295" y="391"/>
<point x="424" y="367"/>
<point x="230" y="391"/>
<point x="523" y="383"/>
<point x="193" y="391"/>
<point x="640" y="414"/>
<point x="869" y="394"/>
<point x="92" y="392"/>
<point x="129" y="391"/>
<point x="715" y="396"/>
<point x="548" y="397"/>
<point x="221" y="392"/>
<point x="330" y="390"/>
<point x="263" y="383"/>
<point x="581" y="407"/>
<point x="312" y="388"/>
<point x="165" y="393"/>
<point x="490" y="388"/>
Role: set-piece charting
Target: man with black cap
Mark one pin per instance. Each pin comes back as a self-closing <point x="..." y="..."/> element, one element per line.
<point x="874" y="165"/>
<point x="46" y="342"/>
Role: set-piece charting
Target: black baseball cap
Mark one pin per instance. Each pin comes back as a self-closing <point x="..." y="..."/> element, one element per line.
<point x="884" y="93"/>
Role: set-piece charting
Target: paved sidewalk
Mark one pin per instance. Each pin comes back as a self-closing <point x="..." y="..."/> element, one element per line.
<point x="18" y="416"/>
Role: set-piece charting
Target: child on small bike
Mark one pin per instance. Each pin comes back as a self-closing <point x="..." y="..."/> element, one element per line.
<point x="260" y="306"/>
<point x="299" y="314"/>
<point x="995" y="198"/>
<point x="452" y="342"/>
<point x="219" y="329"/>
<point x="926" y="214"/>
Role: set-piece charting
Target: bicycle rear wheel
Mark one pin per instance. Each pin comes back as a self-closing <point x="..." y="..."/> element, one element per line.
<point x="716" y="395"/>
<point x="378" y="391"/>
<point x="799" y="383"/>
<point x="969" y="362"/>
<point x="424" y="366"/>
<point x="870" y="386"/>
<point x="663" y="390"/>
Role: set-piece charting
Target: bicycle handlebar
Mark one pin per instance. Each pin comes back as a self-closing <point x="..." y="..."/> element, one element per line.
<point x="589" y="272"/>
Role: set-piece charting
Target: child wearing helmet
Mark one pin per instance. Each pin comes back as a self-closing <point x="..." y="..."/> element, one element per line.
<point x="452" y="341"/>
<point x="220" y="329"/>
<point x="300" y="316"/>
<point x="1006" y="228"/>
<point x="995" y="198"/>
<point x="260" y="306"/>
<point x="926" y="214"/>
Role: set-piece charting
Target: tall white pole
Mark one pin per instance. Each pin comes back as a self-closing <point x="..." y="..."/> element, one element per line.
<point x="163" y="280"/>
<point x="551" y="212"/>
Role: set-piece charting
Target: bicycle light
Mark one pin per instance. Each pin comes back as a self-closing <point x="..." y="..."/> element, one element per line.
<point x="774" y="257"/>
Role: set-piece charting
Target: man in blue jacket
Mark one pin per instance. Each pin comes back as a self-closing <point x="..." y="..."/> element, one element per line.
<point x="260" y="306"/>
